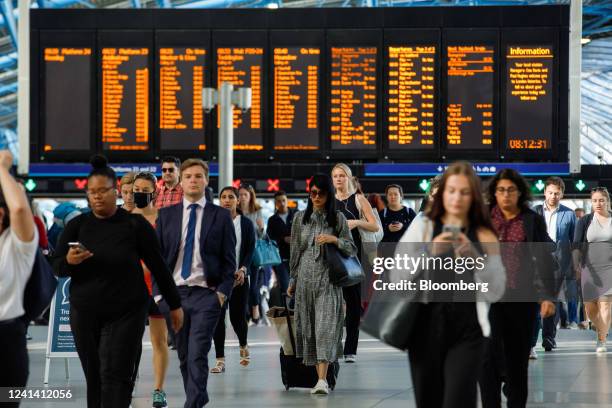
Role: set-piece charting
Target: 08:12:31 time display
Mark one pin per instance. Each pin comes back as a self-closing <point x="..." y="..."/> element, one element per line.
<point x="535" y="144"/>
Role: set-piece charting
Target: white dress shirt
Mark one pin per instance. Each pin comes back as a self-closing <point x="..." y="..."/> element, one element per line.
<point x="550" y="216"/>
<point x="197" y="266"/>
<point x="238" y="229"/>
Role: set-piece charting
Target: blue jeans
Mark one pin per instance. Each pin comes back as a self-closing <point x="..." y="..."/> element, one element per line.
<point x="282" y="276"/>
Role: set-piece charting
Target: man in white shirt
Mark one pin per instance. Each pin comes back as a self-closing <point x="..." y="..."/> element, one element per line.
<point x="198" y="242"/>
<point x="18" y="245"/>
<point x="560" y="224"/>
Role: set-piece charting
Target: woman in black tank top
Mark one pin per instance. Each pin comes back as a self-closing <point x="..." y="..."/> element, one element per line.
<point x="349" y="203"/>
<point x="447" y="349"/>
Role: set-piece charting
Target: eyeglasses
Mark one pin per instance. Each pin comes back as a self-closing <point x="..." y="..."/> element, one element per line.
<point x="509" y="190"/>
<point x="101" y="191"/>
<point x="317" y="193"/>
<point x="167" y="169"/>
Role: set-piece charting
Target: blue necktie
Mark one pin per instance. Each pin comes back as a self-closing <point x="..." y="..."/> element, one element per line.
<point x="188" y="251"/>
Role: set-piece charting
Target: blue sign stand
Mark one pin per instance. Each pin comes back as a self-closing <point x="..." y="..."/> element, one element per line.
<point x="60" y="343"/>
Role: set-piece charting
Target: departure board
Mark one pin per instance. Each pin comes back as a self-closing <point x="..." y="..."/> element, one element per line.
<point x="125" y="98"/>
<point x="181" y="79"/>
<point x="411" y="96"/>
<point x="529" y="98"/>
<point x="296" y="98"/>
<point x="353" y="98"/>
<point x="243" y="67"/>
<point x="67" y="107"/>
<point x="470" y="96"/>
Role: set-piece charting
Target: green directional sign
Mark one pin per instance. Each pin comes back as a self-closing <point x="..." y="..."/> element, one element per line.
<point x="539" y="185"/>
<point x="580" y="185"/>
<point x="30" y="185"/>
<point x="424" y="184"/>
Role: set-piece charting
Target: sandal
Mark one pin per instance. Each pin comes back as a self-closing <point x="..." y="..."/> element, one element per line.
<point x="245" y="357"/>
<point x="219" y="367"/>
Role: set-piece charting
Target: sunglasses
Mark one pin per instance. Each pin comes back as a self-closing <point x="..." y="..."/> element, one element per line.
<point x="167" y="169"/>
<point x="317" y="193"/>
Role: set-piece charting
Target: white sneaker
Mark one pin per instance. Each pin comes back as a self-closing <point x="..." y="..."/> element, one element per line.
<point x="573" y="326"/>
<point x="350" y="358"/>
<point x="601" y="347"/>
<point x="533" y="355"/>
<point x="321" y="388"/>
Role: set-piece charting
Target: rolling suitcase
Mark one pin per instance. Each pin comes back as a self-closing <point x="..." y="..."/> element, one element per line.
<point x="295" y="374"/>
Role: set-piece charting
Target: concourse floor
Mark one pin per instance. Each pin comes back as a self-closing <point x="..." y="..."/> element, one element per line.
<point x="571" y="376"/>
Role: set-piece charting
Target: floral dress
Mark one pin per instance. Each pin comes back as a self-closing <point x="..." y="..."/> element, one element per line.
<point x="318" y="304"/>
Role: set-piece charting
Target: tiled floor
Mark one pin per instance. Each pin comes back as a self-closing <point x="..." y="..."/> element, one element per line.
<point x="571" y="376"/>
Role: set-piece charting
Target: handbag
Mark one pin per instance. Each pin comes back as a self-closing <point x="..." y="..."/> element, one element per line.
<point x="368" y="236"/>
<point x="344" y="270"/>
<point x="393" y="320"/>
<point x="266" y="253"/>
<point x="40" y="288"/>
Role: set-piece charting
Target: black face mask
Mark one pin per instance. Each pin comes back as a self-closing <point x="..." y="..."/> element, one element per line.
<point x="141" y="200"/>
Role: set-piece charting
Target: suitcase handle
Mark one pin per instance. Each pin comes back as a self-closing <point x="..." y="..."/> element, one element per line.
<point x="291" y="338"/>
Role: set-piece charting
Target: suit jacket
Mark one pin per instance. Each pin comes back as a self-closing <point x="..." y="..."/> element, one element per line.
<point x="566" y="224"/>
<point x="546" y="279"/>
<point x="217" y="243"/>
<point x="247" y="243"/>
<point x="278" y="230"/>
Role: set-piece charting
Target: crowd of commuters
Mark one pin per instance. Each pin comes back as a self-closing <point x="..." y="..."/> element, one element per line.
<point x="167" y="256"/>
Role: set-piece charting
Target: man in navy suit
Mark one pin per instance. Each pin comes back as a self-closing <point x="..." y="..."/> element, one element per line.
<point x="560" y="223"/>
<point x="199" y="244"/>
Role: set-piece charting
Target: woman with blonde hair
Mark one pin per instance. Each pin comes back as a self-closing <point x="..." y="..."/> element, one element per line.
<point x="593" y="235"/>
<point x="127" y="183"/>
<point x="359" y="215"/>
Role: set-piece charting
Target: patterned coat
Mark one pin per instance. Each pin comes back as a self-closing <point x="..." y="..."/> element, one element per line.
<point x="318" y="304"/>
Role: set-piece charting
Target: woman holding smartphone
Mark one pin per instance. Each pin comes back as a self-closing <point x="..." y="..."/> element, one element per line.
<point x="108" y="295"/>
<point x="396" y="218"/>
<point x="451" y="335"/>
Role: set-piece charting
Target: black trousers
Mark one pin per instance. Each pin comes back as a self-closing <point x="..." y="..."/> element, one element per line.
<point x="13" y="355"/>
<point x="108" y="346"/>
<point x="352" y="297"/>
<point x="443" y="356"/>
<point x="549" y="325"/>
<point x="238" y="311"/>
<point x="507" y="354"/>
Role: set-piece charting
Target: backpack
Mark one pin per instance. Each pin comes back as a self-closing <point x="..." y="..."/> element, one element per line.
<point x="40" y="288"/>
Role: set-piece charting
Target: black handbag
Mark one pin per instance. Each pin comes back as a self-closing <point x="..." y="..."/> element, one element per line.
<point x="393" y="322"/>
<point x="392" y="318"/>
<point x="344" y="270"/>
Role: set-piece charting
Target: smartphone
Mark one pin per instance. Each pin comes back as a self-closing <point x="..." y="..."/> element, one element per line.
<point x="77" y="245"/>
<point x="453" y="229"/>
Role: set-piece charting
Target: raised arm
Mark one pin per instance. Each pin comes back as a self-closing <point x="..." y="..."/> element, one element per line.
<point x="19" y="212"/>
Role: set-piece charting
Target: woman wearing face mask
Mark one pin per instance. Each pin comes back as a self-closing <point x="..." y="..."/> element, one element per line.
<point x="245" y="246"/>
<point x="144" y="194"/>
<point x="108" y="295"/>
<point x="450" y="337"/>
<point x="593" y="238"/>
